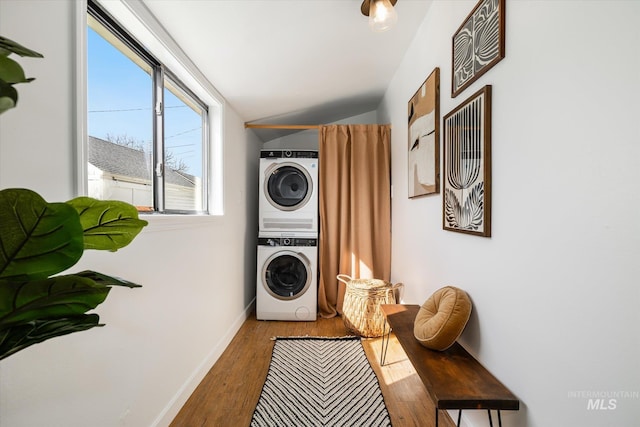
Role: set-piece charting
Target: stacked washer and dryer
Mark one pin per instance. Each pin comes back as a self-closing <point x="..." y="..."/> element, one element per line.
<point x="288" y="236"/>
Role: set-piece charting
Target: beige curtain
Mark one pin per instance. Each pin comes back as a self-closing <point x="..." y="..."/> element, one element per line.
<point x="355" y="208"/>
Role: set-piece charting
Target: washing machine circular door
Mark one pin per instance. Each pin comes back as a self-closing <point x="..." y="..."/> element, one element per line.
<point x="286" y="275"/>
<point x="288" y="186"/>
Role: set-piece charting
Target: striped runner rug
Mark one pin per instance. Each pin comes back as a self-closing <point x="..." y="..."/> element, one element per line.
<point x="320" y="382"/>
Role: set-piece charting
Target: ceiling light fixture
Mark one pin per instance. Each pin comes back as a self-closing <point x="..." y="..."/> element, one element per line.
<point x="381" y="13"/>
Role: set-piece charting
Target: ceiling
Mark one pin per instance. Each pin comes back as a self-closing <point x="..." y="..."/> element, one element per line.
<point x="291" y="61"/>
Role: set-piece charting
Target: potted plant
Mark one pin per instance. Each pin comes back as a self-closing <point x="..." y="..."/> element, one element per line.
<point x="40" y="240"/>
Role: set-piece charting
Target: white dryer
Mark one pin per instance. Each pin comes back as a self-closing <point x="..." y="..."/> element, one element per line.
<point x="287" y="278"/>
<point x="288" y="192"/>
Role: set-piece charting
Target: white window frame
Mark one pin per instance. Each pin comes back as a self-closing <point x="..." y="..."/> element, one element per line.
<point x="134" y="16"/>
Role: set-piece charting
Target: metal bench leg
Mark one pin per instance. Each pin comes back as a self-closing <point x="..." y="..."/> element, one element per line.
<point x="385" y="343"/>
<point x="499" y="419"/>
<point x="490" y="419"/>
<point x="436" y="416"/>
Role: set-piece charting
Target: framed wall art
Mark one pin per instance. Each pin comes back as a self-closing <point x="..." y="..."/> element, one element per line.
<point x="478" y="44"/>
<point x="466" y="202"/>
<point x="424" y="137"/>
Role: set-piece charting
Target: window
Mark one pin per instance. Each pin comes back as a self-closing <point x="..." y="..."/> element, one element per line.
<point x="148" y="138"/>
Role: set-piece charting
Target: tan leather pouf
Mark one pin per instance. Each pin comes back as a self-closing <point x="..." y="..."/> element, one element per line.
<point x="442" y="318"/>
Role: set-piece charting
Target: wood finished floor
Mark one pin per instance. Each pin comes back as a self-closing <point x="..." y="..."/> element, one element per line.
<point x="228" y="394"/>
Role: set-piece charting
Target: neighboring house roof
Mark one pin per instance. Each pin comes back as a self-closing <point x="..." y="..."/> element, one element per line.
<point x="126" y="161"/>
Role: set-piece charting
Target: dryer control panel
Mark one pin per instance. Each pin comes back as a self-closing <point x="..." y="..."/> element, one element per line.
<point x="286" y="241"/>
<point x="288" y="154"/>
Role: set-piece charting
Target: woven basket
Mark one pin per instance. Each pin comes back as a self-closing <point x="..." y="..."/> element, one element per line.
<point x="361" y="312"/>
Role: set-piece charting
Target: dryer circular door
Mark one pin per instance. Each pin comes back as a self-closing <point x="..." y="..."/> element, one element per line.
<point x="286" y="275"/>
<point x="288" y="187"/>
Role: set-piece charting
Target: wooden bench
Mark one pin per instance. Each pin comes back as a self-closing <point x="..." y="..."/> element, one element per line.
<point x="453" y="378"/>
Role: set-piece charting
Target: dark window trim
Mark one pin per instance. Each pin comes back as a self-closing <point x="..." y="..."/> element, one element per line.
<point x="112" y="25"/>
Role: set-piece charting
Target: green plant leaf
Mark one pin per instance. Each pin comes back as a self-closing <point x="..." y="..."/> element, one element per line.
<point x="6" y="103"/>
<point x="22" y="336"/>
<point x="56" y="297"/>
<point x="103" y="279"/>
<point x="37" y="239"/>
<point x="107" y="224"/>
<point x="8" y="96"/>
<point x="9" y="46"/>
<point x="11" y="72"/>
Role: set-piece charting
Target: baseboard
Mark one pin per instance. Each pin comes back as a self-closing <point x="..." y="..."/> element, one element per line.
<point x="173" y="407"/>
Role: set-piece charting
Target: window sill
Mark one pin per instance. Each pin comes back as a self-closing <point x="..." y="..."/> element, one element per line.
<point x="169" y="222"/>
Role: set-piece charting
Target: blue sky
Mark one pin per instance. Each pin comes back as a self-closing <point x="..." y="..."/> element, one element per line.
<point x="120" y="104"/>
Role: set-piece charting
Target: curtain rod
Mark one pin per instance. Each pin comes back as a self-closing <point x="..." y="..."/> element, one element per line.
<point x="261" y="126"/>
<point x="265" y="126"/>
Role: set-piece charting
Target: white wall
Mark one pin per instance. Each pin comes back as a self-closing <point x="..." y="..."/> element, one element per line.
<point x="198" y="274"/>
<point x="555" y="290"/>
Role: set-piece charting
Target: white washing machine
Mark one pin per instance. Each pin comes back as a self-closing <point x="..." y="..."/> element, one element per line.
<point x="288" y="192"/>
<point x="287" y="278"/>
